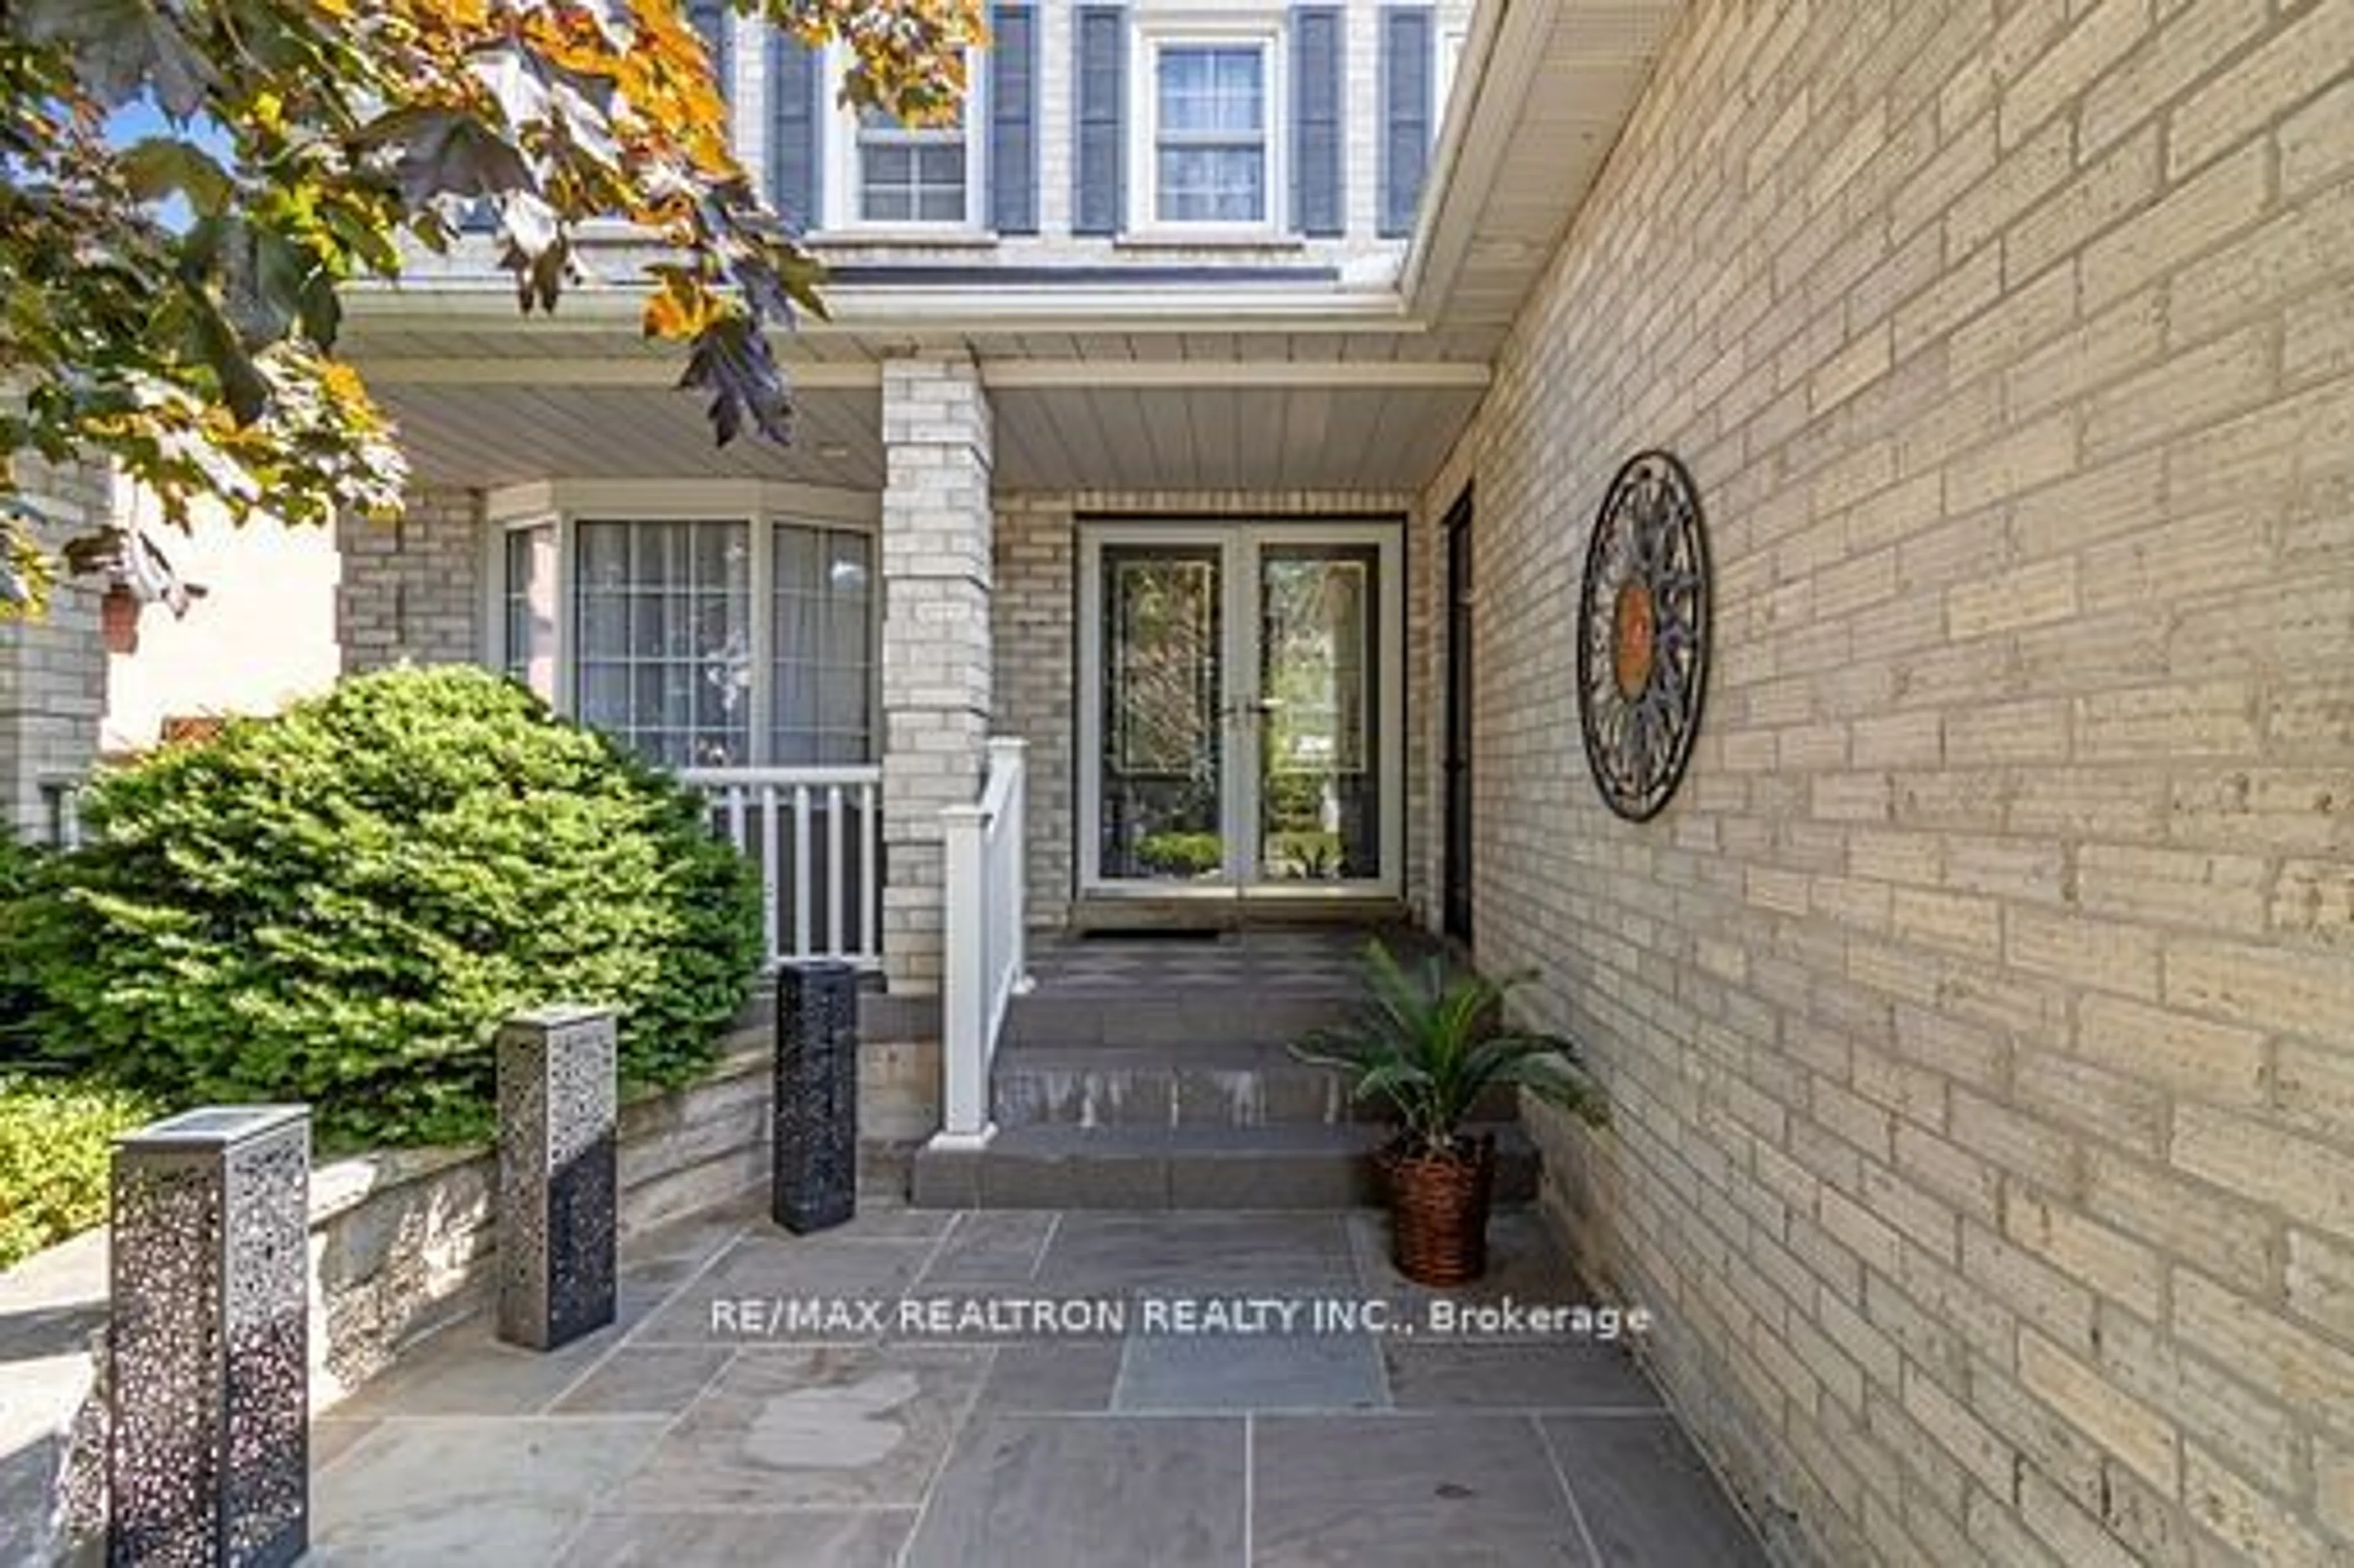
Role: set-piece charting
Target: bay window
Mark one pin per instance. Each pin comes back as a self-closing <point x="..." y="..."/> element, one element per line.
<point x="698" y="640"/>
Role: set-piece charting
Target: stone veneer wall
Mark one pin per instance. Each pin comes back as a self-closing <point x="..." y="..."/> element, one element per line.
<point x="412" y="590"/>
<point x="1980" y="1016"/>
<point x="53" y="670"/>
<point x="1034" y="636"/>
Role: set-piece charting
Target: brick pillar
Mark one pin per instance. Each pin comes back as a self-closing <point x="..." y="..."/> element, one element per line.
<point x="936" y="644"/>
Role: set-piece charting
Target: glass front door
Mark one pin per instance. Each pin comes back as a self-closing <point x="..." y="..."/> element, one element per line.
<point x="1239" y="709"/>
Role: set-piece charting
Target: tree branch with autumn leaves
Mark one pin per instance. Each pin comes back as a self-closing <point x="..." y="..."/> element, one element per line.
<point x="170" y="303"/>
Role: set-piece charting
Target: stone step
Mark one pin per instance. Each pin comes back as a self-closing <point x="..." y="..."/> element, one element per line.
<point x="1151" y="1019"/>
<point x="1189" y="1086"/>
<point x="1281" y="1167"/>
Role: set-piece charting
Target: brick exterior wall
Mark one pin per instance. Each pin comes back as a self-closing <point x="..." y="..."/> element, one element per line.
<point x="413" y="590"/>
<point x="53" y="671"/>
<point x="1980" y="1016"/>
<point x="937" y="663"/>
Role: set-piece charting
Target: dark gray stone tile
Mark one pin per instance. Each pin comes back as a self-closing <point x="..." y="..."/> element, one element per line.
<point x="468" y="1490"/>
<point x="1430" y="1375"/>
<point x="994" y="1248"/>
<point x="1103" y="1093"/>
<point x="945" y="1179"/>
<point x="333" y="1437"/>
<point x="1206" y="1372"/>
<point x="1371" y="1491"/>
<point x="1060" y="1377"/>
<point x="801" y="1538"/>
<point x="1230" y="1169"/>
<point x="813" y="1429"/>
<point x="1021" y="1490"/>
<point x="465" y="1371"/>
<point x="648" y="1379"/>
<point x="1200" y="1253"/>
<point x="760" y="1271"/>
<point x="1057" y="1168"/>
<point x="1647" y="1495"/>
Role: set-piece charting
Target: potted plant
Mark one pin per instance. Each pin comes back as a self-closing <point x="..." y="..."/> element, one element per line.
<point x="1431" y="1043"/>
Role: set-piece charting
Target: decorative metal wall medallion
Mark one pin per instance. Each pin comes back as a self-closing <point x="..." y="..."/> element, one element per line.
<point x="1642" y="634"/>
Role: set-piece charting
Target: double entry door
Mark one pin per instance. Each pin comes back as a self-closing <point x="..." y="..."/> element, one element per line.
<point x="1240" y="709"/>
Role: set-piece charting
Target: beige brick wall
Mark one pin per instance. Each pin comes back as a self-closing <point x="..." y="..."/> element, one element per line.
<point x="412" y="590"/>
<point x="1980" y="1014"/>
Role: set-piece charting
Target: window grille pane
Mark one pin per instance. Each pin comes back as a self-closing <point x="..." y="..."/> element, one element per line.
<point x="664" y="613"/>
<point x="824" y="641"/>
<point x="1221" y="185"/>
<point x="1211" y="90"/>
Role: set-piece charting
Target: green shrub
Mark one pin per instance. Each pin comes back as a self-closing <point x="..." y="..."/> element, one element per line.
<point x="1180" y="854"/>
<point x="55" y="1143"/>
<point x="16" y="863"/>
<point x="338" y="905"/>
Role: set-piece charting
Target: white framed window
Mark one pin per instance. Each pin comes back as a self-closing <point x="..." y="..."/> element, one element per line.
<point x="1450" y="59"/>
<point x="1208" y="154"/>
<point x="883" y="174"/>
<point x="698" y="637"/>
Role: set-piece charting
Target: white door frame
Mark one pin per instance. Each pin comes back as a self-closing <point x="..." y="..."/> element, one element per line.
<point x="1238" y="659"/>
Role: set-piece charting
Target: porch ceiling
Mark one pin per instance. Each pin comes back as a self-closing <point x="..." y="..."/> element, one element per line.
<point x="1184" y="411"/>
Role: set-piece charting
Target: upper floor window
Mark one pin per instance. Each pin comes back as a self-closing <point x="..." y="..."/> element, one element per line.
<point x="1210" y="149"/>
<point x="912" y="174"/>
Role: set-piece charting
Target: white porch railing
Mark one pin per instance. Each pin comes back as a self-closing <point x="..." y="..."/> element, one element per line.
<point x="815" y="835"/>
<point x="985" y="963"/>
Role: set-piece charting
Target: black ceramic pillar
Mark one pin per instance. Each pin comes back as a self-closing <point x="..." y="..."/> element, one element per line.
<point x="208" y="1347"/>
<point x="558" y="1191"/>
<point x="816" y="1108"/>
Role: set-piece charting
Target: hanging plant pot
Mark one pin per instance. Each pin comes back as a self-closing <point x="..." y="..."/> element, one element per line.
<point x="118" y="618"/>
<point x="1438" y="1209"/>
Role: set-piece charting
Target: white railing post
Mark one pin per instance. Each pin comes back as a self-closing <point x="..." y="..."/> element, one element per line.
<point x="966" y="984"/>
<point x="1012" y="755"/>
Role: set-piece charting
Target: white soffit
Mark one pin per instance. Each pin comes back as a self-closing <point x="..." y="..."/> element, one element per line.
<point x="1551" y="83"/>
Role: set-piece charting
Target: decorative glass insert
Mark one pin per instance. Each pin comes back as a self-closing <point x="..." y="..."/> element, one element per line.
<point x="664" y="639"/>
<point x="1163" y="753"/>
<point x="1210" y="149"/>
<point x="1320" y="756"/>
<point x="530" y="598"/>
<point x="824" y="649"/>
<point x="910" y="173"/>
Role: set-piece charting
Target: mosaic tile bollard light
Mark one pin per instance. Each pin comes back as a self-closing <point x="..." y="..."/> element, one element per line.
<point x="559" y="1189"/>
<point x="815" y="1152"/>
<point x="208" y="1342"/>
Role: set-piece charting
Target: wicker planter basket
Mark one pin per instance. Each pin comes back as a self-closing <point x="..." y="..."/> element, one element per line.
<point x="1438" y="1210"/>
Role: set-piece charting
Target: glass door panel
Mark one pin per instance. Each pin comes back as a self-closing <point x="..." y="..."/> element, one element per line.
<point x="1162" y="757"/>
<point x="1319" y="809"/>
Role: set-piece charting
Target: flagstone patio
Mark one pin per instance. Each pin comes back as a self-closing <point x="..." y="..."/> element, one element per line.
<point x="841" y="1400"/>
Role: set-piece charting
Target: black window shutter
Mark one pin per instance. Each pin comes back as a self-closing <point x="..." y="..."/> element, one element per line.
<point x="796" y="123"/>
<point x="1099" y="178"/>
<point x="1406" y="61"/>
<point x="1318" y="144"/>
<point x="1013" y="119"/>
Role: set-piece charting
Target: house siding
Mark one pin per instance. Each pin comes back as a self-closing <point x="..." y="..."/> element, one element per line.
<point x="1976" y="1016"/>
